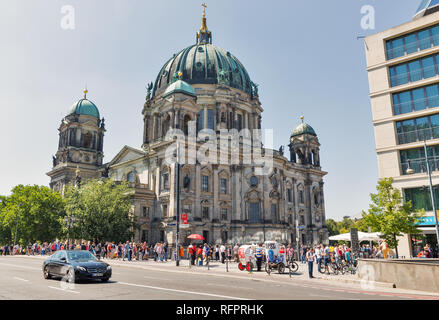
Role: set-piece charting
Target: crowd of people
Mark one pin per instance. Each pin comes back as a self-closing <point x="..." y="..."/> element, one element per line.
<point x="198" y="254"/>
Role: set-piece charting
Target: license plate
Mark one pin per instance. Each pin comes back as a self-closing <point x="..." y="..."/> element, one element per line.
<point x="97" y="274"/>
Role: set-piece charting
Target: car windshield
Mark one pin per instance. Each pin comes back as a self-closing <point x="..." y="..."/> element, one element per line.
<point x="80" y="256"/>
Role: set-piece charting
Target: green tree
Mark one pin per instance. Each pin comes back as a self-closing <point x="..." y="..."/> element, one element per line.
<point x="100" y="211"/>
<point x="35" y="212"/>
<point x="389" y="215"/>
<point x="333" y="228"/>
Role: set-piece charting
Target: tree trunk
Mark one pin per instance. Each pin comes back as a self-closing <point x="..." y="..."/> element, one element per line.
<point x="396" y="246"/>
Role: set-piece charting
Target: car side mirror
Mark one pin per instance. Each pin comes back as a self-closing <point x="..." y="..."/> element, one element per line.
<point x="63" y="259"/>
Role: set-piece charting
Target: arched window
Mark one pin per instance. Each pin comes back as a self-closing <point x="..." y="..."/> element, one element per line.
<point x="87" y="140"/>
<point x="131" y="177"/>
<point x="186" y="120"/>
<point x="254" y="215"/>
<point x="166" y="124"/>
<point x="200" y="122"/>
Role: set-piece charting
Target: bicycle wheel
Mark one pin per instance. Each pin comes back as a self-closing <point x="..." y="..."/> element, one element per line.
<point x="281" y="268"/>
<point x="294" y="266"/>
<point x="322" y="267"/>
<point x="344" y="269"/>
<point x="267" y="268"/>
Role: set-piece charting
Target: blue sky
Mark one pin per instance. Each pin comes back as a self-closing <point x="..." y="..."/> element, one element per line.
<point x="304" y="55"/>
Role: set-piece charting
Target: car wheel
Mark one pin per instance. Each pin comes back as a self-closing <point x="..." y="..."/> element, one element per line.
<point x="46" y="273"/>
<point x="70" y="276"/>
<point x="105" y="279"/>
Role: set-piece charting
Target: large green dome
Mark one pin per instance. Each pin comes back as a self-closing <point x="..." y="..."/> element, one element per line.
<point x="303" y="128"/>
<point x="204" y="63"/>
<point x="84" y="107"/>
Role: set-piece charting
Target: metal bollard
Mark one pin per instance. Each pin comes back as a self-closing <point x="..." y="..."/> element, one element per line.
<point x="227" y="265"/>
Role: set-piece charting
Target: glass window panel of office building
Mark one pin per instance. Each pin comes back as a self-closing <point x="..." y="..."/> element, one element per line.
<point x="421" y="198"/>
<point x="415" y="159"/>
<point x="418" y="129"/>
<point x="416" y="99"/>
<point x="413" y="42"/>
<point x="413" y="71"/>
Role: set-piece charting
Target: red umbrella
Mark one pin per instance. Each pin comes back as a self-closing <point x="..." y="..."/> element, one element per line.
<point x="196" y="237"/>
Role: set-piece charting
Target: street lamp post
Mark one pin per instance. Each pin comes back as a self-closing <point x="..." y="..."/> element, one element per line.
<point x="177" y="255"/>
<point x="433" y="202"/>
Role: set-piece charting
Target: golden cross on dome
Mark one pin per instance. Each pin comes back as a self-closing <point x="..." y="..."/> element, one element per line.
<point x="85" y="92"/>
<point x="302" y="118"/>
<point x="204" y="8"/>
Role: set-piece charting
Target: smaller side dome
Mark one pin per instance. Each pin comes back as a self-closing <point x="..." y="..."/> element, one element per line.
<point x="179" y="86"/>
<point x="303" y="128"/>
<point x="84" y="107"/>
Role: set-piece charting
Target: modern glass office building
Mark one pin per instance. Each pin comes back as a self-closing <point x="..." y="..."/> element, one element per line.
<point x="403" y="70"/>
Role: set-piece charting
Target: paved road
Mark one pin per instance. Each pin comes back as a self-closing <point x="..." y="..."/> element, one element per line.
<point x="21" y="278"/>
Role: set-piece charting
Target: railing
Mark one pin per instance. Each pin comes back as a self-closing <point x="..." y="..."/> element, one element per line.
<point x="412" y="47"/>
<point x="420" y="165"/>
<point x="416" y="105"/>
<point x="418" y="135"/>
<point x="413" y="76"/>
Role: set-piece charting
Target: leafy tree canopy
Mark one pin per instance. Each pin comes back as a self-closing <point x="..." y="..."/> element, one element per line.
<point x="99" y="211"/>
<point x="389" y="215"/>
<point x="36" y="212"/>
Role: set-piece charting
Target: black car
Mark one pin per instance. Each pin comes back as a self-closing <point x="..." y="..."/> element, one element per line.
<point x="76" y="265"/>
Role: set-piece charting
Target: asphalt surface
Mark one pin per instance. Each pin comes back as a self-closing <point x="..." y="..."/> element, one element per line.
<point x="22" y="278"/>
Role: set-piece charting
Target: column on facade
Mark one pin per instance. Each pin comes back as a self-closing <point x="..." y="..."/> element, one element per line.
<point x="215" y="190"/>
<point x="308" y="205"/>
<point x="197" y="206"/>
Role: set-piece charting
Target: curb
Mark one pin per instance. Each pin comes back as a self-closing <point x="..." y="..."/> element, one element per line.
<point x="358" y="282"/>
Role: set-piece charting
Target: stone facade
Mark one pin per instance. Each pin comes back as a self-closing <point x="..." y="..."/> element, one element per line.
<point x="205" y="87"/>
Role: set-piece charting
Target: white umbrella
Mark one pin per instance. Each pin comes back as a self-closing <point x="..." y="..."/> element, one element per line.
<point x="374" y="236"/>
<point x="341" y="237"/>
<point x="362" y="236"/>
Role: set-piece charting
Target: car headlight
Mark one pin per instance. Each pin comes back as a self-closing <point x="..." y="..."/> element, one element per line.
<point x="108" y="268"/>
<point x="81" y="269"/>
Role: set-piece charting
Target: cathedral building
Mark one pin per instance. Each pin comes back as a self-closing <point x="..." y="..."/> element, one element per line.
<point x="203" y="87"/>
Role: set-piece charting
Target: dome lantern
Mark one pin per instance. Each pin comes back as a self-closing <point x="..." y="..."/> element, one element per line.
<point x="204" y="36"/>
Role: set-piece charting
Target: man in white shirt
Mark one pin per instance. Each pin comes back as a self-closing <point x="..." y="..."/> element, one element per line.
<point x="223" y="253"/>
<point x="318" y="254"/>
<point x="310" y="257"/>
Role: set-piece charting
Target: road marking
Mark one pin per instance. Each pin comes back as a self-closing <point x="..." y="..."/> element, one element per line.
<point x="20" y="279"/>
<point x="17" y="265"/>
<point x="65" y="290"/>
<point x="182" y="291"/>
